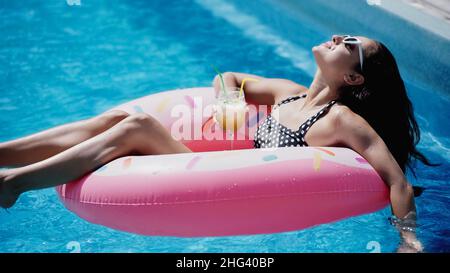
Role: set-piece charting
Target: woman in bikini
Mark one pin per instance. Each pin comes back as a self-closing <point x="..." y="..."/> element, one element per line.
<point x="357" y="99"/>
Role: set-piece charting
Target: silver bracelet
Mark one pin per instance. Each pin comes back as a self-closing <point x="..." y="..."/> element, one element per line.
<point x="407" y="223"/>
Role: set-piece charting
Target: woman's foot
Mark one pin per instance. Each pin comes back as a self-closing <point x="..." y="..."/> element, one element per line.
<point x="7" y="196"/>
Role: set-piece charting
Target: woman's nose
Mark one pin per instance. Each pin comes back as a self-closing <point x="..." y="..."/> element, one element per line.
<point x="337" y="39"/>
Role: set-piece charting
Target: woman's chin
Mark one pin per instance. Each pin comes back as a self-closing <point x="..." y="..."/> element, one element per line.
<point x="317" y="53"/>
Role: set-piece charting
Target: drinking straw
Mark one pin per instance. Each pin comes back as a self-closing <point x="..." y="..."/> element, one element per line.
<point x="243" y="82"/>
<point x="221" y="79"/>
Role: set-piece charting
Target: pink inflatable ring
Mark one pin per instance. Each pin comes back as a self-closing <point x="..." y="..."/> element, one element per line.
<point x="215" y="191"/>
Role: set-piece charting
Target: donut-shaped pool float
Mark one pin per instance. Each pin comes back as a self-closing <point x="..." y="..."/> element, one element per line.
<point x="216" y="191"/>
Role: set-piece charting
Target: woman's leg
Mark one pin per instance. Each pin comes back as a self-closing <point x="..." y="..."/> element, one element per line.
<point x="42" y="145"/>
<point x="136" y="134"/>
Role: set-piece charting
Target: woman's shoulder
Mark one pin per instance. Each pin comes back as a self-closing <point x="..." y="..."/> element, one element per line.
<point x="339" y="110"/>
<point x="349" y="124"/>
<point x="343" y="113"/>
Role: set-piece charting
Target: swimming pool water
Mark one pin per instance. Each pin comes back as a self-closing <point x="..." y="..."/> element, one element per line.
<point x="61" y="63"/>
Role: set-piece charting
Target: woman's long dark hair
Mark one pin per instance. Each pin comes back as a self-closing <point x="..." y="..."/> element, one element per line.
<point x="382" y="101"/>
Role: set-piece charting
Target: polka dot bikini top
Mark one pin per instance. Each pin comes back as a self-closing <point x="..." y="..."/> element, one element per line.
<point x="272" y="134"/>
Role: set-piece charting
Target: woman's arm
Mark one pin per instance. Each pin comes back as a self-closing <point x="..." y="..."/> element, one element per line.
<point x="354" y="132"/>
<point x="265" y="91"/>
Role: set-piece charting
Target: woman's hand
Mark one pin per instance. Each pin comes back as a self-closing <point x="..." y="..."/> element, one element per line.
<point x="409" y="243"/>
<point x="264" y="91"/>
<point x="407" y="228"/>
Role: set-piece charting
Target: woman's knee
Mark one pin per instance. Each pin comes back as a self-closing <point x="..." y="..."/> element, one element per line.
<point x="139" y="123"/>
<point x="112" y="117"/>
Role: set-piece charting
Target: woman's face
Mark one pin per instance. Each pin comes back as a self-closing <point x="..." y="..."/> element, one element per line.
<point x="337" y="60"/>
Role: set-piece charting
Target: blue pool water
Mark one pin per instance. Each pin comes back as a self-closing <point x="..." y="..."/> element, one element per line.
<point x="61" y="63"/>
